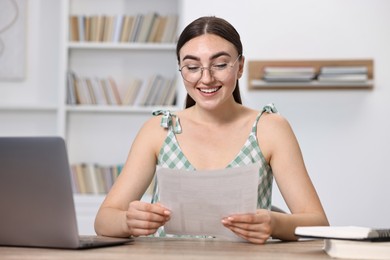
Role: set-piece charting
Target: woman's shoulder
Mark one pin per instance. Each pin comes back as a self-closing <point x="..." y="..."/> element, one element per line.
<point x="153" y="123"/>
<point x="272" y="121"/>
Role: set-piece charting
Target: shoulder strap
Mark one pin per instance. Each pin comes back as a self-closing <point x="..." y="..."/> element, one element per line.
<point x="167" y="120"/>
<point x="270" y="109"/>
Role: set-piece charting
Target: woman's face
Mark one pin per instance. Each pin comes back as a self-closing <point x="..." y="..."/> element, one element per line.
<point x="210" y="66"/>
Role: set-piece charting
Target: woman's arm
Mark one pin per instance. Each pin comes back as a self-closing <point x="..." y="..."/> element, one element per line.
<point x="293" y="181"/>
<point x="122" y="213"/>
<point x="282" y="151"/>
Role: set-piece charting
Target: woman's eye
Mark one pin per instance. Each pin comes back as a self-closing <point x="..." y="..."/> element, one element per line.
<point x="219" y="66"/>
<point x="193" y="68"/>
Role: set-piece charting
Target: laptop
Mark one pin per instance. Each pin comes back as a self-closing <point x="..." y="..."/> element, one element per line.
<point x="36" y="197"/>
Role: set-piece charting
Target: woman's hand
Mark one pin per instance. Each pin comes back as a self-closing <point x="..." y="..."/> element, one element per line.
<point x="255" y="228"/>
<point x="144" y="218"/>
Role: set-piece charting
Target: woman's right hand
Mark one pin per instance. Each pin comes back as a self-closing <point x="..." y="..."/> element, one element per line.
<point x="144" y="218"/>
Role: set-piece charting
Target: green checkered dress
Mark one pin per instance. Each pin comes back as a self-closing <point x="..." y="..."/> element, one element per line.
<point x="171" y="156"/>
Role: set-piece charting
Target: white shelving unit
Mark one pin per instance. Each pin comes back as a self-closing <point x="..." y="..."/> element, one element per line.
<point x="103" y="134"/>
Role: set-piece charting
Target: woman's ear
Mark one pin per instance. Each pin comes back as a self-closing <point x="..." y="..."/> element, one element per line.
<point x="241" y="66"/>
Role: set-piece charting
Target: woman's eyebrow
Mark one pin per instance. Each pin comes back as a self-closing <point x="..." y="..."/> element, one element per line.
<point x="219" y="54"/>
<point x="191" y="57"/>
<point x="212" y="57"/>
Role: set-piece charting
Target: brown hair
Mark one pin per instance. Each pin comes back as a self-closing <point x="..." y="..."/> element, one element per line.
<point x="211" y="25"/>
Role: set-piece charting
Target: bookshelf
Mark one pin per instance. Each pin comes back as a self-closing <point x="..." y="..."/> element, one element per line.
<point x="256" y="74"/>
<point x="102" y="133"/>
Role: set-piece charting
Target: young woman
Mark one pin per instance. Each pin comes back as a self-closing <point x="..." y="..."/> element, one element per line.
<point x="214" y="131"/>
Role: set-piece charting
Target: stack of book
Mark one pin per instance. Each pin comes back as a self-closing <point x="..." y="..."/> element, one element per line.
<point x="96" y="179"/>
<point x="93" y="178"/>
<point x="156" y="91"/>
<point x="350" y="242"/>
<point x="288" y="74"/>
<point x="343" y="74"/>
<point x="149" y="27"/>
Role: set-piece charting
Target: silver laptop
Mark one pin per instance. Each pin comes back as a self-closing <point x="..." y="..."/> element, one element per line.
<point x="36" y="199"/>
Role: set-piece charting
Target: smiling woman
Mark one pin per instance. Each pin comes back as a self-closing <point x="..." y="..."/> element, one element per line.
<point x="215" y="131"/>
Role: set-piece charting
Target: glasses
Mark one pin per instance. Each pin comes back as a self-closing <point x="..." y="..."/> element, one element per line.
<point x="220" y="71"/>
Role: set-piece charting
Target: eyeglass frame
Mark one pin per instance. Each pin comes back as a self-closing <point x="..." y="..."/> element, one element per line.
<point x="210" y="69"/>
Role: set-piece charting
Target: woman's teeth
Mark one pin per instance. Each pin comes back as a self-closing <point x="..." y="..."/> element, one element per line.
<point x="208" y="90"/>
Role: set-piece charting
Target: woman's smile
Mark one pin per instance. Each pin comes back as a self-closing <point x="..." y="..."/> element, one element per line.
<point x="209" y="90"/>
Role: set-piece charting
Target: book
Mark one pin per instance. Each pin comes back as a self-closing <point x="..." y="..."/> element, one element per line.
<point x="344" y="233"/>
<point x="343" y="77"/>
<point x="71" y="94"/>
<point x="146" y="26"/>
<point x="108" y="29"/>
<point x="353" y="249"/>
<point x="114" y="91"/>
<point x="344" y="70"/>
<point x="289" y="70"/>
<point x="99" y="92"/>
<point x="132" y="92"/>
<point x="118" y="23"/>
<point x="136" y="26"/>
<point x="169" y="33"/>
<point x="288" y="74"/>
<point x="288" y="78"/>
<point x="154" y="29"/>
<point x="81" y="27"/>
<point x="126" y="26"/>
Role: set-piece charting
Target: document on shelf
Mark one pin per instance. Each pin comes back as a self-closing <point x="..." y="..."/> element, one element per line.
<point x="198" y="200"/>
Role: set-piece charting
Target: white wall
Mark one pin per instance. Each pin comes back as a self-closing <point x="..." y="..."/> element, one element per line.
<point x="41" y="80"/>
<point x="344" y="134"/>
<point x="28" y="106"/>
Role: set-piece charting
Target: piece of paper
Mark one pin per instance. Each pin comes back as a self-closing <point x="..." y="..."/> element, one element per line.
<point x="198" y="200"/>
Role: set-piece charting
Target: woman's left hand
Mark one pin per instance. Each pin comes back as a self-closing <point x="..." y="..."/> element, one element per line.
<point x="255" y="228"/>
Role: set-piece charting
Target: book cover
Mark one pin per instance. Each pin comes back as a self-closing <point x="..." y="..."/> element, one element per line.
<point x="344" y="232"/>
<point x="118" y="24"/>
<point x="146" y="27"/>
<point x="126" y="27"/>
<point x="131" y="92"/>
<point x="73" y="28"/>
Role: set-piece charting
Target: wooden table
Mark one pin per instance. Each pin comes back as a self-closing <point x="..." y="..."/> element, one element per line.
<point x="158" y="248"/>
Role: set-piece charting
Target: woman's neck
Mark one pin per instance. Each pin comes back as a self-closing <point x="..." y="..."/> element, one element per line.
<point x="221" y="115"/>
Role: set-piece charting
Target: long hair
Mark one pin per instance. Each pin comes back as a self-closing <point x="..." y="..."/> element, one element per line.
<point x="210" y="25"/>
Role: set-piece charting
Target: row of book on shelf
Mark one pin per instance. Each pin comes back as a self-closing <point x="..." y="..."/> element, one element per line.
<point x="149" y="27"/>
<point x="90" y="178"/>
<point x="155" y="91"/>
<point x="326" y="74"/>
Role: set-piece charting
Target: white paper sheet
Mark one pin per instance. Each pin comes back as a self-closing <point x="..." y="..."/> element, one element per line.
<point x="199" y="200"/>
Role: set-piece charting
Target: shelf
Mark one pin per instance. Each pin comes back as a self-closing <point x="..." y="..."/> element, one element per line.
<point x="255" y="76"/>
<point x="261" y="84"/>
<point x="117" y="109"/>
<point x="121" y="46"/>
<point x="29" y="108"/>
